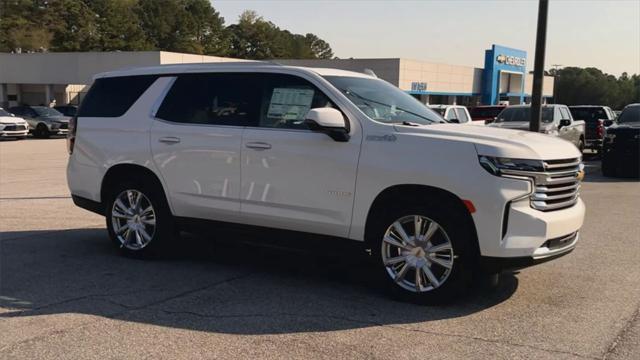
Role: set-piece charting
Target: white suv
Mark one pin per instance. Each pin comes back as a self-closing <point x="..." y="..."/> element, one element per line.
<point x="321" y="151"/>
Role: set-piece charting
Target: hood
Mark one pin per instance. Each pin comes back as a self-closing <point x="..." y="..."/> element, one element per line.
<point x="492" y="141"/>
<point x="624" y="126"/>
<point x="11" y="120"/>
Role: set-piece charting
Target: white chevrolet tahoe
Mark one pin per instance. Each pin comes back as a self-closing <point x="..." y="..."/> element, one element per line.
<point x="326" y="152"/>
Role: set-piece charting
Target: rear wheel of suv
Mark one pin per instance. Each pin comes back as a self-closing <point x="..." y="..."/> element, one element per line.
<point x="138" y="218"/>
<point x="422" y="251"/>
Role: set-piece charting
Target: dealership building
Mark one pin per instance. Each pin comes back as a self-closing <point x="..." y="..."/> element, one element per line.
<point x="37" y="78"/>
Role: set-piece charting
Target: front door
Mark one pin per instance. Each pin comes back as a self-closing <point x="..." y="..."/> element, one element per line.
<point x="196" y="141"/>
<point x="294" y="178"/>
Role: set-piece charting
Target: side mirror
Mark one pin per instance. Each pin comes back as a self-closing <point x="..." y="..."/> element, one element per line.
<point x="564" y="122"/>
<point x="455" y="121"/>
<point x="608" y="123"/>
<point x="329" y="121"/>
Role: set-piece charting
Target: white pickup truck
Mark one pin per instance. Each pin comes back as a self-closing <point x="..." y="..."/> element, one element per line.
<point x="556" y="121"/>
<point x="320" y="151"/>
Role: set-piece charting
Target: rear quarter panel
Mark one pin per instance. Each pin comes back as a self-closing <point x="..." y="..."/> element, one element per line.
<point x="104" y="142"/>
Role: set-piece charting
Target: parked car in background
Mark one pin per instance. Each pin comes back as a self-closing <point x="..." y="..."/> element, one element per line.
<point x="43" y="121"/>
<point x="453" y="113"/>
<point x="67" y="110"/>
<point x="12" y="126"/>
<point x="556" y="121"/>
<point x="596" y="118"/>
<point x="486" y="113"/>
<point x="621" y="147"/>
<point x="320" y="151"/>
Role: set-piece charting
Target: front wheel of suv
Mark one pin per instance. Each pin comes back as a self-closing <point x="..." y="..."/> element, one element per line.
<point x="139" y="221"/>
<point x="423" y="252"/>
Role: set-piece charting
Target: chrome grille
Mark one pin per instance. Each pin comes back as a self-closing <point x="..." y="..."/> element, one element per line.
<point x="558" y="186"/>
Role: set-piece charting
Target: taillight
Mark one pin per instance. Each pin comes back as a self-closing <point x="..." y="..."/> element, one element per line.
<point x="600" y="129"/>
<point x="71" y="135"/>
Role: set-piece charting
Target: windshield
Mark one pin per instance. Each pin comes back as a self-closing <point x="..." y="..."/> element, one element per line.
<point x="3" y="112"/>
<point x="589" y="114"/>
<point x="384" y="102"/>
<point x="46" y="111"/>
<point x="524" y="114"/>
<point x="630" y="114"/>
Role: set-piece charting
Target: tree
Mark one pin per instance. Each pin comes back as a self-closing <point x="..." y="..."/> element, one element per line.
<point x="208" y="28"/>
<point x="20" y="29"/>
<point x="575" y="86"/>
<point x="73" y="25"/>
<point x="320" y="48"/>
<point x="118" y="26"/>
<point x="255" y="38"/>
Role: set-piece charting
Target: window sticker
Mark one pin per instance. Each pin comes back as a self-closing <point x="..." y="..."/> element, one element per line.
<point x="290" y="104"/>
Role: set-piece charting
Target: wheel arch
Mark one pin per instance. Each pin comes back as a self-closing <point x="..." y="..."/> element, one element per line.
<point x="133" y="172"/>
<point x="414" y="191"/>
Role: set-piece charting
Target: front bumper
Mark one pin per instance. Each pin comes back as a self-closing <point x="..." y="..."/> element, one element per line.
<point x="533" y="237"/>
<point x="19" y="133"/>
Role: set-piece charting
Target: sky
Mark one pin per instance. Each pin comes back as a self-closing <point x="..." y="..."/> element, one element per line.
<point x="588" y="33"/>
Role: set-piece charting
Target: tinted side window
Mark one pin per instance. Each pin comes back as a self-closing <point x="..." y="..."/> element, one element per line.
<point x="287" y="99"/>
<point x="112" y="97"/>
<point x="213" y="99"/>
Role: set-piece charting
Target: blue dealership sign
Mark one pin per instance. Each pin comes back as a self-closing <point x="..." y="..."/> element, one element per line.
<point x="497" y="60"/>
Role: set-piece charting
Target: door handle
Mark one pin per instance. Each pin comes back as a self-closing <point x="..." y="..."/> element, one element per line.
<point x="169" y="140"/>
<point x="258" y="145"/>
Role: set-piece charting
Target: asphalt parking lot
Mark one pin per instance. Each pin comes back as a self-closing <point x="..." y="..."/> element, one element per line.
<point x="65" y="292"/>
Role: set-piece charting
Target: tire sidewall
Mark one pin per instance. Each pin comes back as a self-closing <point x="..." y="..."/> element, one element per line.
<point x="165" y="229"/>
<point x="449" y="218"/>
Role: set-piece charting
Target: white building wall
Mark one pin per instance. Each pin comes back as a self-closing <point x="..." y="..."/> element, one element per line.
<point x="547" y="85"/>
<point x="440" y="78"/>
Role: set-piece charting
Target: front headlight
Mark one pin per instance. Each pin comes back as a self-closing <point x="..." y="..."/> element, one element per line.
<point x="499" y="165"/>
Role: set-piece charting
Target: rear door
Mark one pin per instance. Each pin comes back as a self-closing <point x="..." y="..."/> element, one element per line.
<point x="294" y="178"/>
<point x="196" y="142"/>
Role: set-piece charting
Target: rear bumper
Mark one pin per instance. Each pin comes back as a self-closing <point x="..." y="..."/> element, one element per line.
<point x="87" y="204"/>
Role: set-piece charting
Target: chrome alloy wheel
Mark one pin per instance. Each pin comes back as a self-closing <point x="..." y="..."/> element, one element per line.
<point x="133" y="219"/>
<point x="417" y="253"/>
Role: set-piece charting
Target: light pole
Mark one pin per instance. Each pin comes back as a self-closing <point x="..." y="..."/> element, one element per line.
<point x="538" y="68"/>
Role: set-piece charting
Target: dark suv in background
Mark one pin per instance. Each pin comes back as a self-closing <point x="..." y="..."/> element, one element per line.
<point x="596" y="119"/>
<point x="621" y="147"/>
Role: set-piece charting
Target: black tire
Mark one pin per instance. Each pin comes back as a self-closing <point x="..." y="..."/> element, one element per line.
<point x="165" y="229"/>
<point x="41" y="131"/>
<point x="450" y="217"/>
<point x="581" y="145"/>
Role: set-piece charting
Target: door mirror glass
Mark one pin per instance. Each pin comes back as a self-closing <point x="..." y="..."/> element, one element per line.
<point x="329" y="121"/>
<point x="607" y="123"/>
<point x="565" y="122"/>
